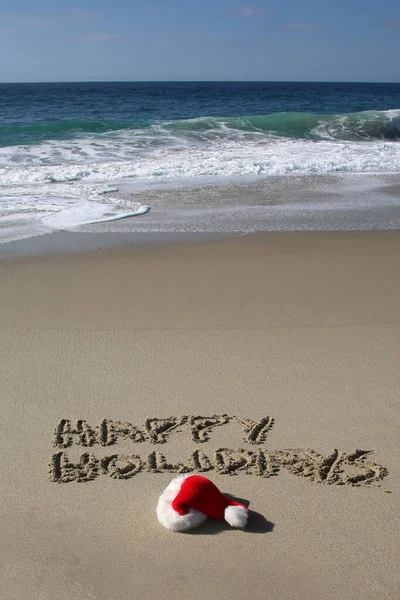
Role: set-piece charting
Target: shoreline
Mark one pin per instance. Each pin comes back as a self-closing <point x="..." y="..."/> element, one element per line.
<point x="202" y="211"/>
<point x="97" y="246"/>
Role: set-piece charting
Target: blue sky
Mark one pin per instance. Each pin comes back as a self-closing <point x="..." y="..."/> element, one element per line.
<point x="278" y="40"/>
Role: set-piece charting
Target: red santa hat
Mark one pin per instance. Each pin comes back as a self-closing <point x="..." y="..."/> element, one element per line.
<point x="190" y="499"/>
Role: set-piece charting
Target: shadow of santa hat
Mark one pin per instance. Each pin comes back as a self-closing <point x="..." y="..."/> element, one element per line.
<point x="189" y="500"/>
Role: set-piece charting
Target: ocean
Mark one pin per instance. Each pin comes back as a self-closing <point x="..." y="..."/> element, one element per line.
<point x="77" y="155"/>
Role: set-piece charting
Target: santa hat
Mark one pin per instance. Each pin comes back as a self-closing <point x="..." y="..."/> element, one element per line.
<point x="190" y="499"/>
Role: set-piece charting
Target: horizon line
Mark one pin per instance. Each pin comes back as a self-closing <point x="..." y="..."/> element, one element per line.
<point x="196" y="81"/>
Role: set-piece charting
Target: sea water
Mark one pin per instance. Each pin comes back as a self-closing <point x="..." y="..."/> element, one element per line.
<point x="73" y="155"/>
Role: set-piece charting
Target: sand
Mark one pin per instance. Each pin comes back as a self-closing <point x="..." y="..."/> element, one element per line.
<point x="269" y="362"/>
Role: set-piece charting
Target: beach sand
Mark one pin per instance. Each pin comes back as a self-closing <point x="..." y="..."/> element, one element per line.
<point x="303" y="328"/>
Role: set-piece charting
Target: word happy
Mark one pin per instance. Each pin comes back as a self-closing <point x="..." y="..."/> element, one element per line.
<point x="155" y="431"/>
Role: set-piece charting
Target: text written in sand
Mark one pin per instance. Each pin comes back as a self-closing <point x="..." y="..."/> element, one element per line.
<point x="155" y="430"/>
<point x="337" y="468"/>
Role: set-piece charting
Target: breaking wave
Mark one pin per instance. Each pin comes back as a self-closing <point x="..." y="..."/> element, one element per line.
<point x="365" y="125"/>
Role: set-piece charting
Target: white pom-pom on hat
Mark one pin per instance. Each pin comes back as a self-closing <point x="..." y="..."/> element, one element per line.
<point x="236" y="516"/>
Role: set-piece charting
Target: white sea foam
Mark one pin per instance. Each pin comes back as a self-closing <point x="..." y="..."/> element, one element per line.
<point x="36" y="209"/>
<point x="63" y="162"/>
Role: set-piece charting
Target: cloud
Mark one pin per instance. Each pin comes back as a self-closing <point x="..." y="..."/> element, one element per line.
<point x="81" y="14"/>
<point x="26" y="19"/>
<point x="393" y="24"/>
<point x="76" y="15"/>
<point x="99" y="37"/>
<point x="250" y="11"/>
<point x="216" y="43"/>
<point x="302" y="27"/>
<point x="161" y="12"/>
